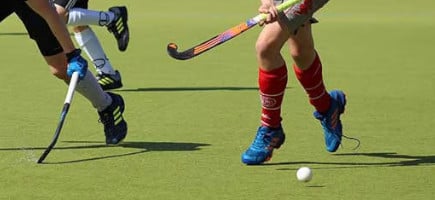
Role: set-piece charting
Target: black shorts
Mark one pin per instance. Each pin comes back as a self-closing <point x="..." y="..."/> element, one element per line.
<point x="36" y="26"/>
<point x="5" y="11"/>
<point x="72" y="3"/>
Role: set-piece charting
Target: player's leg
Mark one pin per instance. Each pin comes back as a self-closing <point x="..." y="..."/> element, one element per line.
<point x="272" y="82"/>
<point x="308" y="67"/>
<point x="107" y="76"/>
<point x="273" y="78"/>
<point x="109" y="106"/>
<point x="308" y="70"/>
<point x="115" y="19"/>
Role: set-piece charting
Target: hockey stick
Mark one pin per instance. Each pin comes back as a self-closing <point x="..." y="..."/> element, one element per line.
<point x="224" y="36"/>
<point x="69" y="96"/>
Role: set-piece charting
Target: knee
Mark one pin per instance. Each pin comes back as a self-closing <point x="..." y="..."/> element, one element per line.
<point x="265" y="48"/>
<point x="78" y="29"/>
<point x="58" y="65"/>
<point x="302" y="43"/>
<point x="58" y="68"/>
<point x="303" y="57"/>
<point x="60" y="74"/>
<point x="302" y="48"/>
<point x="62" y="12"/>
<point x="301" y="52"/>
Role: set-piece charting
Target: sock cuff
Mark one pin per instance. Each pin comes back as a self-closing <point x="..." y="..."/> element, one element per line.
<point x="82" y="17"/>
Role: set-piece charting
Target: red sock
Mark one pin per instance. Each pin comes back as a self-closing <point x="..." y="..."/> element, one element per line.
<point x="272" y="87"/>
<point x="312" y="81"/>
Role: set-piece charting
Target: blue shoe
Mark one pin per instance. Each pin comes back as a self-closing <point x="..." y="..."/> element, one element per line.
<point x="331" y="122"/>
<point x="261" y="149"/>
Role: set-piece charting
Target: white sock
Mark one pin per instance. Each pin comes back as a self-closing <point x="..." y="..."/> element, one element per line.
<point x="88" y="41"/>
<point x="91" y="90"/>
<point x="80" y="17"/>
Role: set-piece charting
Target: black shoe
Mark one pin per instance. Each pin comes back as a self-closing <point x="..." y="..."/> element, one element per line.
<point x="119" y="26"/>
<point x="109" y="81"/>
<point x="115" y="127"/>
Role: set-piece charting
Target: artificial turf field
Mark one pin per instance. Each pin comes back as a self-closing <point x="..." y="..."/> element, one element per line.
<point x="189" y="121"/>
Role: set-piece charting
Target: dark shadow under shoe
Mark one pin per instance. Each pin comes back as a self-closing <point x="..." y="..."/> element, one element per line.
<point x="115" y="127"/>
<point x="109" y="81"/>
<point x="119" y="26"/>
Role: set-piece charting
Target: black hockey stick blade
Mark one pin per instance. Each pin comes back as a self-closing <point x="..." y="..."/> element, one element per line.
<point x="172" y="49"/>
<point x="56" y="134"/>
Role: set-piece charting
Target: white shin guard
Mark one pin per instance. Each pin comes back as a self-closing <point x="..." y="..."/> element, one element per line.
<point x="89" y="43"/>
<point x="82" y="17"/>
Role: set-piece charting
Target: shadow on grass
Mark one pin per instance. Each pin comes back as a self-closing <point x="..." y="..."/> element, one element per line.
<point x="18" y="34"/>
<point x="177" y="89"/>
<point x="14" y="34"/>
<point x="147" y="146"/>
<point x="399" y="160"/>
<point x="142" y="146"/>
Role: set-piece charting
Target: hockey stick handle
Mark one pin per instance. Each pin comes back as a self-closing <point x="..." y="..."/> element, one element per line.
<point x="72" y="86"/>
<point x="280" y="8"/>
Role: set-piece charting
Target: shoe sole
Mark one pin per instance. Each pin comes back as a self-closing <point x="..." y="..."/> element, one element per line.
<point x="340" y="97"/>
<point x="125" y="34"/>
<point x="126" y="39"/>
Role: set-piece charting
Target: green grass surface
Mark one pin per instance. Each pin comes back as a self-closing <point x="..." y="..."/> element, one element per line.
<point x="189" y="121"/>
